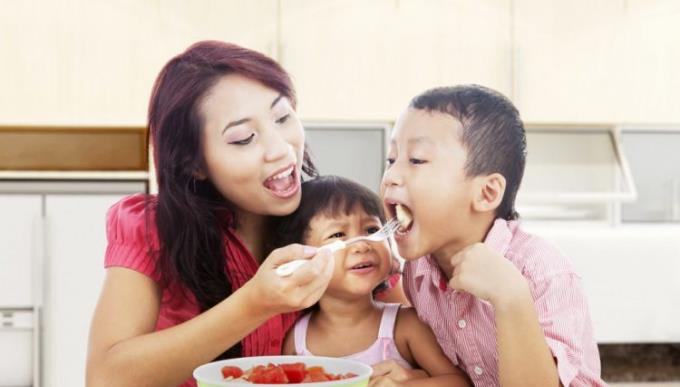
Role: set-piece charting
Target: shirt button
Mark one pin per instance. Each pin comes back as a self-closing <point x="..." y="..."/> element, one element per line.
<point x="479" y="370"/>
<point x="462" y="324"/>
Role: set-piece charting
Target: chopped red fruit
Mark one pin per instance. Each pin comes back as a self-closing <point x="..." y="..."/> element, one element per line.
<point x="294" y="371"/>
<point x="231" y="372"/>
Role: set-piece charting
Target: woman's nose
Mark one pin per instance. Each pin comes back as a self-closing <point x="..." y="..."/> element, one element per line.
<point x="276" y="148"/>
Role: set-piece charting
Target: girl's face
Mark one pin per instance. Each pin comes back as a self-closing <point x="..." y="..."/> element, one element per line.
<point x="361" y="266"/>
<point x="253" y="144"/>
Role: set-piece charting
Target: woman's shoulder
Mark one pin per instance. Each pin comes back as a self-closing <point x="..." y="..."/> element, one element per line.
<point x="131" y="234"/>
<point x="132" y="218"/>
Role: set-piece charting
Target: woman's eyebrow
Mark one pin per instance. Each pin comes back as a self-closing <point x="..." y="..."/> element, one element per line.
<point x="244" y="120"/>
<point x="276" y="100"/>
<point x="235" y="123"/>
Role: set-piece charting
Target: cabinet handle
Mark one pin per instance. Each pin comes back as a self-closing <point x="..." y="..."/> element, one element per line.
<point x="675" y="199"/>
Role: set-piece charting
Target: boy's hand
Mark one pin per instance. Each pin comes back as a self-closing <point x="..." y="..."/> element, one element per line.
<point x="484" y="273"/>
<point x="390" y="369"/>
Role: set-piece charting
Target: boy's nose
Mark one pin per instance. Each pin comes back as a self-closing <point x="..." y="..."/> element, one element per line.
<point x="391" y="177"/>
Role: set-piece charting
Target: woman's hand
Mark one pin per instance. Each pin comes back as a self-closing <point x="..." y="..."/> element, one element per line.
<point x="274" y="294"/>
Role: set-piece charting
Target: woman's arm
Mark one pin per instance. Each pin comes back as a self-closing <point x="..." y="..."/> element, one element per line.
<point x="423" y="348"/>
<point x="124" y="350"/>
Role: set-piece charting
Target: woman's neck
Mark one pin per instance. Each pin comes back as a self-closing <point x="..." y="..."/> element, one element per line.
<point x="253" y="231"/>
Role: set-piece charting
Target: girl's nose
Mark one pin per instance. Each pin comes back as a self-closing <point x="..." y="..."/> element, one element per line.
<point x="360" y="247"/>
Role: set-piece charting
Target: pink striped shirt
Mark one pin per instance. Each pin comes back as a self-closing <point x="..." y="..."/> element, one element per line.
<point x="465" y="326"/>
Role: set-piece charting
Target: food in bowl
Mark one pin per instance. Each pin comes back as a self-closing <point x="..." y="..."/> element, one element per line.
<point x="285" y="373"/>
<point x="330" y="372"/>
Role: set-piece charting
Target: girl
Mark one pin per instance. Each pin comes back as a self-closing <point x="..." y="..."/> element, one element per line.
<point x="347" y="322"/>
<point x="188" y="274"/>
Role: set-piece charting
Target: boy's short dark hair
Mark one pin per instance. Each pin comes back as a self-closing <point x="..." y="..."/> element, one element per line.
<point x="493" y="134"/>
<point x="327" y="195"/>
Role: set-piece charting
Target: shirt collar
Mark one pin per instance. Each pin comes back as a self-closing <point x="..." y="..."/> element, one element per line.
<point x="498" y="239"/>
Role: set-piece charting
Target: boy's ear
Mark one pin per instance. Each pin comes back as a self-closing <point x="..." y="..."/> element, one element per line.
<point x="490" y="192"/>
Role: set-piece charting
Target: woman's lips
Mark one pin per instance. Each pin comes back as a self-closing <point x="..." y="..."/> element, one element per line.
<point x="284" y="183"/>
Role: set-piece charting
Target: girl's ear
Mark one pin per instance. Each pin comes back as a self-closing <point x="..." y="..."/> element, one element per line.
<point x="489" y="193"/>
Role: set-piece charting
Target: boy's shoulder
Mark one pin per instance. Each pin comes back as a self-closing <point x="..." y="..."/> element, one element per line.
<point x="535" y="257"/>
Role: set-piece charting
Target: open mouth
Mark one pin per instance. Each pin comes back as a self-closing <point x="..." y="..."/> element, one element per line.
<point x="404" y="217"/>
<point x="362" y="267"/>
<point x="283" y="183"/>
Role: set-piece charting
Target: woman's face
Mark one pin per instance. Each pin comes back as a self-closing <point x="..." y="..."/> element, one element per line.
<point x="253" y="144"/>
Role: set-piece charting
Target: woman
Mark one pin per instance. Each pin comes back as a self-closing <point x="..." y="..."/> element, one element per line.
<point x="187" y="279"/>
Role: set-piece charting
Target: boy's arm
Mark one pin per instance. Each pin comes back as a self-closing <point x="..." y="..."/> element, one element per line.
<point x="524" y="358"/>
<point x="426" y="352"/>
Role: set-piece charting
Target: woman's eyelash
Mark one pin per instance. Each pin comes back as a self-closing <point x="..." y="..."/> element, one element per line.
<point x="416" y="161"/>
<point x="244" y="141"/>
<point x="283" y="119"/>
<point x="337" y="235"/>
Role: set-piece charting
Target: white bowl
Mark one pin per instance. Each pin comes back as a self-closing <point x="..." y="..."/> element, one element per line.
<point x="210" y="375"/>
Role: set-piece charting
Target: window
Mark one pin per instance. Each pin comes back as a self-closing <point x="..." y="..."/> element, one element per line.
<point x="355" y="151"/>
<point x="654" y="155"/>
<point x="574" y="173"/>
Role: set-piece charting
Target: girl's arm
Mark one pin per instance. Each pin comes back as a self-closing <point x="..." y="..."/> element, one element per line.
<point x="289" y="343"/>
<point x="423" y="348"/>
<point x="124" y="350"/>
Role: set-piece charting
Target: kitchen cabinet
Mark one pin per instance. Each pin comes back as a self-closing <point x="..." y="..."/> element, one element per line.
<point x="57" y="267"/>
<point x="355" y="151"/>
<point x="653" y="153"/>
<point x="94" y="62"/>
<point x="588" y="61"/>
<point x="20" y="221"/>
<point x="364" y="60"/>
<point x="630" y="276"/>
<point x="20" y="217"/>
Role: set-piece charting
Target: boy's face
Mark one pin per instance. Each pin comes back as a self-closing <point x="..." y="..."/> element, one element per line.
<point x="425" y="175"/>
<point x="361" y="266"/>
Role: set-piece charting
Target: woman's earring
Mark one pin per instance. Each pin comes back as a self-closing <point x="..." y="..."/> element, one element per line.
<point x="193" y="182"/>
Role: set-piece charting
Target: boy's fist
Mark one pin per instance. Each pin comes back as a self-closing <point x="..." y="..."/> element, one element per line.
<point x="487" y="275"/>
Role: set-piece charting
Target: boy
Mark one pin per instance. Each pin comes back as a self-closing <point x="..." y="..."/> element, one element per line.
<point x="505" y="306"/>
